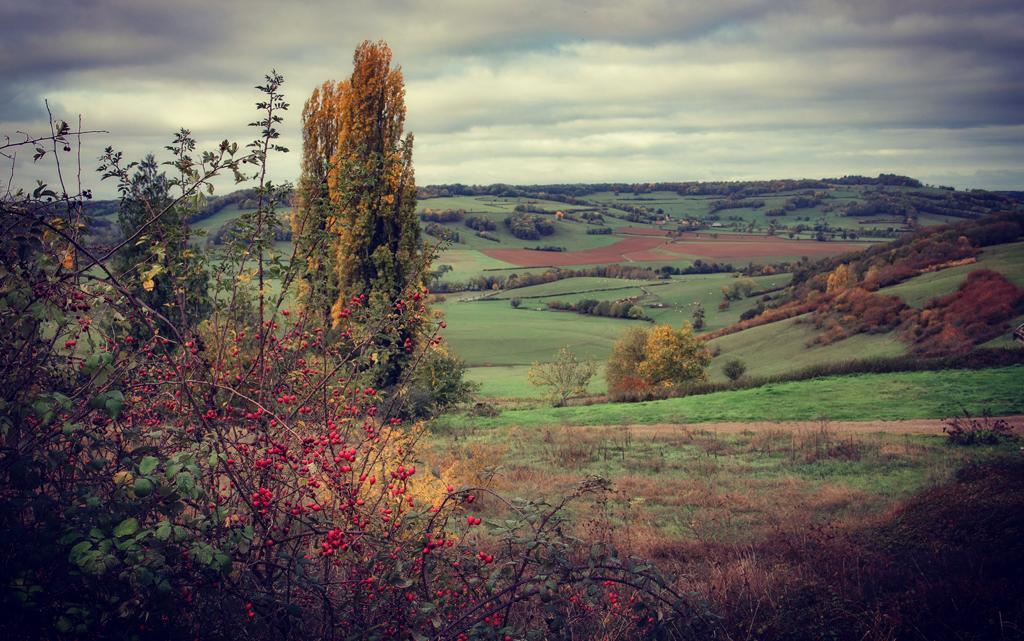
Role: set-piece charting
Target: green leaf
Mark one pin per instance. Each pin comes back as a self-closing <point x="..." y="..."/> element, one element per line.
<point x="143" y="575"/>
<point x="78" y="550"/>
<point x="163" y="531"/>
<point x="148" y="464"/>
<point x="185" y="482"/>
<point x="142" y="487"/>
<point x="111" y="401"/>
<point x="127" y="527"/>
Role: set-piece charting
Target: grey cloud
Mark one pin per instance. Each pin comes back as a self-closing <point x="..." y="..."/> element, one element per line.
<point x="572" y="90"/>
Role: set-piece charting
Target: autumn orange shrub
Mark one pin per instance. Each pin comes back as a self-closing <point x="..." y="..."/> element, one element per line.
<point x="771" y="315"/>
<point x="978" y="311"/>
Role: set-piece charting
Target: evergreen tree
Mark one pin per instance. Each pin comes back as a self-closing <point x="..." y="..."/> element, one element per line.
<point x="160" y="267"/>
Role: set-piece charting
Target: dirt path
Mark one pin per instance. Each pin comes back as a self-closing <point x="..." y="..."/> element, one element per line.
<point x="911" y="426"/>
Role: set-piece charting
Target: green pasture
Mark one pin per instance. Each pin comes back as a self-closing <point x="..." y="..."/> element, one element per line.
<point x="781" y="347"/>
<point x="467" y="263"/>
<point x="903" y="395"/>
<point x="493" y="333"/>
<point x="510" y="382"/>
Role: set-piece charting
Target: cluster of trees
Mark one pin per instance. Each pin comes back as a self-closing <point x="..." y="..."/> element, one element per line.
<point x="547" y="248"/>
<point x="633" y="213"/>
<point x="610" y="309"/>
<point x="738" y="289"/>
<point x="442" y="215"/>
<point x="479" y="223"/>
<point x="515" y="280"/>
<point x="978" y="311"/>
<point x="699" y="266"/>
<point x="747" y="189"/>
<point x="735" y="203"/>
<point x="575" y="193"/>
<point x="879" y="205"/>
<point x="910" y="204"/>
<point x="529" y="226"/>
<point x="854" y="310"/>
<point x="438" y="230"/>
<point x="599" y="231"/>
<point x="530" y="208"/>
<point x="801" y="201"/>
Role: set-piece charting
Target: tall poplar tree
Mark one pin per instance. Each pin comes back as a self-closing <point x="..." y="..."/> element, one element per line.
<point x="314" y="221"/>
<point x="372" y="186"/>
<point x="353" y="136"/>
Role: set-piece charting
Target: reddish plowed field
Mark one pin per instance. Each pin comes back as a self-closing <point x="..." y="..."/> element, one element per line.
<point x="599" y="255"/>
<point x="638" y="248"/>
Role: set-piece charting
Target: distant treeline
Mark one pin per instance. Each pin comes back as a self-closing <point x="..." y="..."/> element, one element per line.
<point x="735" y="203"/>
<point x="566" y="192"/>
<point x="955" y="204"/>
<point x="630" y="272"/>
<point x="516" y="280"/>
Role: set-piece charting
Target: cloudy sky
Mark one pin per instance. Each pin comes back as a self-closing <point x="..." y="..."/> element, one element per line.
<point x="543" y="91"/>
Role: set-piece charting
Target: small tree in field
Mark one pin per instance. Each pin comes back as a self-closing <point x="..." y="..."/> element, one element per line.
<point x="735" y="369"/>
<point x="698" y="315"/>
<point x="673" y="357"/>
<point x="566" y="376"/>
<point x="650" y="362"/>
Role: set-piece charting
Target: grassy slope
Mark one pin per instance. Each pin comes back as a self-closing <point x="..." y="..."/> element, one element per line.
<point x="860" y="397"/>
<point x="780" y="347"/>
<point x="1007" y="259"/>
